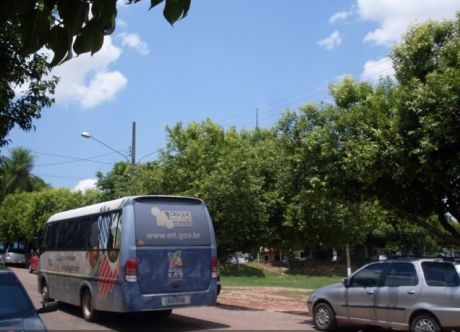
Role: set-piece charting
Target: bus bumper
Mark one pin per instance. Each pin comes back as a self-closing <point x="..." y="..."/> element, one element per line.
<point x="134" y="301"/>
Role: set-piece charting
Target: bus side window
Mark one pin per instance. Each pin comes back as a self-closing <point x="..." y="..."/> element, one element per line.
<point x="64" y="235"/>
<point x="116" y="226"/>
<point x="85" y="233"/>
<point x="105" y="233"/>
<point x="49" y="243"/>
<point x="81" y="234"/>
<point x="94" y="236"/>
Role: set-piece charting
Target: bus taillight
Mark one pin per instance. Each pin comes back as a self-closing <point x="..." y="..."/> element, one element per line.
<point x="214" y="266"/>
<point x="131" y="270"/>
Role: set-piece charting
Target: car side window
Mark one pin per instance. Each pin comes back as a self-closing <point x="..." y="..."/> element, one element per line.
<point x="439" y="274"/>
<point x="401" y="274"/>
<point x="369" y="276"/>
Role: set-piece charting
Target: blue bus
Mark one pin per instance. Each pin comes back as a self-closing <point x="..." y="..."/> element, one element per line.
<point x="137" y="253"/>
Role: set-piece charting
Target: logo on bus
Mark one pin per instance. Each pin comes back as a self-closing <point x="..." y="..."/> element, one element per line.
<point x="171" y="219"/>
<point x="175" y="271"/>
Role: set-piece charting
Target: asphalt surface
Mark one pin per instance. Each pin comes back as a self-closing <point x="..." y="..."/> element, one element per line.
<point x="220" y="317"/>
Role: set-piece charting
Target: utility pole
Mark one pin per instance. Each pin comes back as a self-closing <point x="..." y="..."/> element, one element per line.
<point x="133" y="145"/>
<point x="257" y="119"/>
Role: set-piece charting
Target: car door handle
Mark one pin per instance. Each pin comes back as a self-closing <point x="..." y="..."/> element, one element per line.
<point x="411" y="292"/>
<point x="370" y="292"/>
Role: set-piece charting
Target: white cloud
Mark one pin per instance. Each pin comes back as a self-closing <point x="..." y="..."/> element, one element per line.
<point x="87" y="79"/>
<point x="133" y="40"/>
<point x="341" y="16"/>
<point x="394" y="16"/>
<point x="103" y="87"/>
<point x="121" y="23"/>
<point x="334" y="40"/>
<point x="86" y="184"/>
<point x="373" y="70"/>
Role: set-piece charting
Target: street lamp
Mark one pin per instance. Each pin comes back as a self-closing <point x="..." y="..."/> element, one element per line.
<point x="85" y="134"/>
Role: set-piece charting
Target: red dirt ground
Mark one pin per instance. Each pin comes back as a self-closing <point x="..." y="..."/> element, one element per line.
<point x="265" y="298"/>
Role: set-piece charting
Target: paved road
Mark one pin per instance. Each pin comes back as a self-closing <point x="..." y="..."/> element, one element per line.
<point x="190" y="319"/>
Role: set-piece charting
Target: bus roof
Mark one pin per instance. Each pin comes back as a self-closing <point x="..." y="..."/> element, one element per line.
<point x="109" y="206"/>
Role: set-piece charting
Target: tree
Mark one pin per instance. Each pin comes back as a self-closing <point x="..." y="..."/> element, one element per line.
<point x="16" y="173"/>
<point x="23" y="214"/>
<point x="398" y="142"/>
<point x="118" y="182"/>
<point x="427" y="122"/>
<point x="21" y="70"/>
<point x="219" y="166"/>
<point x="313" y="213"/>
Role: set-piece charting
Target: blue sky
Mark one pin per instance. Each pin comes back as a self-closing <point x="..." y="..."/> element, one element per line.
<point x="224" y="60"/>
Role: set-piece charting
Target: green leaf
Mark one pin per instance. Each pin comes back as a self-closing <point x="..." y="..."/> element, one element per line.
<point x="73" y="13"/>
<point x="153" y="3"/>
<point x="175" y="10"/>
<point x="35" y="26"/>
<point x="57" y="42"/>
<point x="187" y="4"/>
<point x="90" y="39"/>
<point x="105" y="12"/>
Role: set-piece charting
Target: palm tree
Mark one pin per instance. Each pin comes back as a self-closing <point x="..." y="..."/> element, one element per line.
<point x="16" y="173"/>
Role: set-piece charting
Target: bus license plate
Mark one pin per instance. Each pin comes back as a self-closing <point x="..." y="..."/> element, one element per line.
<point x="175" y="300"/>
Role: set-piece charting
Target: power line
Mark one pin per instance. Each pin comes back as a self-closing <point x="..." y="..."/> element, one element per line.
<point x="57" y="176"/>
<point x="73" y="159"/>
<point x="248" y="114"/>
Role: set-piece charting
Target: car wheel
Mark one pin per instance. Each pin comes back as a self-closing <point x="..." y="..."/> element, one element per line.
<point x="425" y="323"/>
<point x="87" y="307"/>
<point x="324" y="317"/>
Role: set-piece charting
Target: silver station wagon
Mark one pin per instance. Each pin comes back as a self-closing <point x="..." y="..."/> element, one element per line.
<point x="402" y="294"/>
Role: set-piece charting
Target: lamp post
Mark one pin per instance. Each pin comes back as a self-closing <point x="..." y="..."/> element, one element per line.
<point x="85" y="134"/>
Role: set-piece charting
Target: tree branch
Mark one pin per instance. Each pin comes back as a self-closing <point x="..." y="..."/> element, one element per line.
<point x="443" y="236"/>
<point x="443" y="208"/>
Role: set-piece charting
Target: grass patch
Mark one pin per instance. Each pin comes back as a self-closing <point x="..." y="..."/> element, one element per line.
<point x="255" y="275"/>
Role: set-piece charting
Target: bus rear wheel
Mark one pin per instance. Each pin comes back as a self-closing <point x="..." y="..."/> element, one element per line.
<point x="87" y="307"/>
<point x="161" y="314"/>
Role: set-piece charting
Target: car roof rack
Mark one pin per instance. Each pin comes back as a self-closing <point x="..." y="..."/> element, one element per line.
<point x="414" y="257"/>
<point x="411" y="256"/>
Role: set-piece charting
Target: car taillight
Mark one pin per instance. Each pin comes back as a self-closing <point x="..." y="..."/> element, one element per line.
<point x="131" y="270"/>
<point x="214" y="266"/>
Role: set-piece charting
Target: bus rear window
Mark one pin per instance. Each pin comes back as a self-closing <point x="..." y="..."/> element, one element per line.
<point x="171" y="222"/>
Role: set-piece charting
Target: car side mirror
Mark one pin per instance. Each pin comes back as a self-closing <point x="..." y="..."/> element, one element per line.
<point x="48" y="307"/>
<point x="346" y="282"/>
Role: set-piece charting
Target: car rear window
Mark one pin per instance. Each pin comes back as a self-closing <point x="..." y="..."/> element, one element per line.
<point x="169" y="222"/>
<point x="13" y="301"/>
<point x="439" y="274"/>
<point x="17" y="251"/>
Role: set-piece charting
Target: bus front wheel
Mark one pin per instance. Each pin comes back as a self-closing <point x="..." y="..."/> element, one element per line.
<point x="87" y="307"/>
<point x="45" y="292"/>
